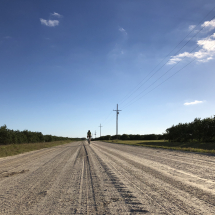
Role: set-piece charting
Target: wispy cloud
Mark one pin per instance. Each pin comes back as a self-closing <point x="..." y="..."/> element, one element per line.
<point x="49" y="23"/>
<point x="193" y="103"/>
<point x="122" y="30"/>
<point x="207" y="46"/>
<point x="209" y="25"/>
<point x="8" y="37"/>
<point x="56" y="14"/>
<point x="206" y="52"/>
<point x="191" y="27"/>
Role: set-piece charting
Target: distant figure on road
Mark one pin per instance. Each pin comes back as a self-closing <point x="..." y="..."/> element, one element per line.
<point x="89" y="136"/>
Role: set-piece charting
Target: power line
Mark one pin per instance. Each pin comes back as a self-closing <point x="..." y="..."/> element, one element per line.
<point x="162" y="81"/>
<point x="108" y="116"/>
<point x="165" y="64"/>
<point x="137" y="88"/>
<point x="156" y="80"/>
<point x="108" y="119"/>
<point x="141" y="84"/>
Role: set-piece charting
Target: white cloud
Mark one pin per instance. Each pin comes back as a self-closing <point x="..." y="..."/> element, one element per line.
<point x="193" y="103"/>
<point x="209" y="25"/>
<point x="56" y="14"/>
<point x="50" y="23"/>
<point x="8" y="37"/>
<point x="206" y="53"/>
<point x="123" y="30"/>
<point x="191" y="27"/>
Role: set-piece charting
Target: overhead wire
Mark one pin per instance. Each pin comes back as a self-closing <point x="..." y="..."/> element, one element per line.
<point x="168" y="61"/>
<point x="108" y="121"/>
<point x="159" y="77"/>
<point x="137" y="88"/>
<point x="107" y="117"/>
<point x="128" y="104"/>
<point x="158" y="85"/>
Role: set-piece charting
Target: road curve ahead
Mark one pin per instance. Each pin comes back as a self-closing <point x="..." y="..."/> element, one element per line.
<point x="104" y="178"/>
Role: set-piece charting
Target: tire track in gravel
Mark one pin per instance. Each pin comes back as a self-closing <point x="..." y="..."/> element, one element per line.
<point x="193" y="191"/>
<point x="10" y="161"/>
<point x="45" y="182"/>
<point x="100" y="178"/>
<point x="11" y="168"/>
<point x="183" y="156"/>
<point x="195" y="166"/>
<point x="73" y="192"/>
<point x="14" y="165"/>
<point x="168" y="202"/>
<point x="127" y="195"/>
<point x="90" y="185"/>
<point x="34" y="185"/>
<point x="81" y="187"/>
<point x="61" y="193"/>
<point x="131" y="203"/>
<point x="90" y="195"/>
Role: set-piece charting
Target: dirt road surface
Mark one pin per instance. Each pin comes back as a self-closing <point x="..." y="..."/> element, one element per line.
<point x="104" y="178"/>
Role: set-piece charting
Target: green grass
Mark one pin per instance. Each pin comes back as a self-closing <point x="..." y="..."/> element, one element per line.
<point x="190" y="146"/>
<point x="14" y="149"/>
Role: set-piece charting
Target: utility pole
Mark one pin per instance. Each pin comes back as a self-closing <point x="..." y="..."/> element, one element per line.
<point x="100" y="129"/>
<point x="117" y="112"/>
<point x="95" y="134"/>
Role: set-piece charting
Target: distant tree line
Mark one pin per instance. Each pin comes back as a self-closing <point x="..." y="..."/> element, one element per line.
<point x="132" y="137"/>
<point x="8" y="136"/>
<point x="200" y="130"/>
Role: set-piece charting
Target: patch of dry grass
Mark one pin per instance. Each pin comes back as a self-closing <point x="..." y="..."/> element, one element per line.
<point x="14" y="149"/>
<point x="190" y="146"/>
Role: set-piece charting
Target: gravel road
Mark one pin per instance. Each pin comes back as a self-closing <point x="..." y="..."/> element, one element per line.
<point x="104" y="178"/>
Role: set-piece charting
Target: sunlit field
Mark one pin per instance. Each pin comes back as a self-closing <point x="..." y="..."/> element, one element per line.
<point x="14" y="149"/>
<point x="190" y="146"/>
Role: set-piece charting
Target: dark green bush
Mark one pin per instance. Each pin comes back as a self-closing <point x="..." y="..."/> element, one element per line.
<point x="8" y="136"/>
<point x="196" y="131"/>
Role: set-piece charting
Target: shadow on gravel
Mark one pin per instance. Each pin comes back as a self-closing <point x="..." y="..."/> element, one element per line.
<point x="130" y="200"/>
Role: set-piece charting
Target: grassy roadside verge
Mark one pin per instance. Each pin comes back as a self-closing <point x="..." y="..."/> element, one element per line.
<point x="14" y="149"/>
<point x="191" y="147"/>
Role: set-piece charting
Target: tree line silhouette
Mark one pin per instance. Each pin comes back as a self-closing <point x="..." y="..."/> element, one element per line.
<point x="132" y="137"/>
<point x="199" y="130"/>
<point x="8" y="136"/>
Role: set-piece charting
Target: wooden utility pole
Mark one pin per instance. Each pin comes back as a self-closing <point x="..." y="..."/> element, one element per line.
<point x="100" y="129"/>
<point x="117" y="112"/>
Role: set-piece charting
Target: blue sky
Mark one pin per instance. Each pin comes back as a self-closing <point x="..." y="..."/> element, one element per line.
<point x="66" y="64"/>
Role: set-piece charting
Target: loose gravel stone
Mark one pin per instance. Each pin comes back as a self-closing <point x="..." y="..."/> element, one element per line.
<point x="106" y="178"/>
